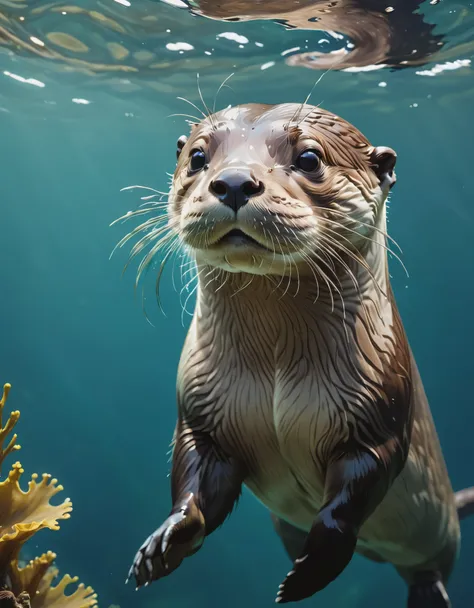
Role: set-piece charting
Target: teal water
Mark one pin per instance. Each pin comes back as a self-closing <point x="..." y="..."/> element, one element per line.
<point x="93" y="378"/>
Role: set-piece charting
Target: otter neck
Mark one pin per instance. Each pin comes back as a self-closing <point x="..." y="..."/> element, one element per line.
<point x="343" y="288"/>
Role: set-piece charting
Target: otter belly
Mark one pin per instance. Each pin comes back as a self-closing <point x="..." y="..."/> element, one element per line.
<point x="280" y="439"/>
<point x="285" y="482"/>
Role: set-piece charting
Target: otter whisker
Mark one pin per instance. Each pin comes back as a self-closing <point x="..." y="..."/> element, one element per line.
<point x="312" y="270"/>
<point x="282" y="278"/>
<point x="191" y="263"/>
<point x="156" y="229"/>
<point x="157" y="297"/>
<point x="370" y="226"/>
<point x="359" y="260"/>
<point x="158" y="205"/>
<point x="188" y="262"/>
<point x="305" y="118"/>
<point x="328" y="281"/>
<point x="144" y="264"/>
<point x="215" y="277"/>
<point x="227" y="275"/>
<point x="142" y="243"/>
<point x="184" y="116"/>
<point x="160" y="202"/>
<point x="354" y="280"/>
<point x="143" y="227"/>
<point x="133" y="214"/>
<point x="210" y="116"/>
<point x="184" y="309"/>
<point x="171" y="250"/>
<point x="149" y="197"/>
<point x="332" y="255"/>
<point x="290" y="273"/>
<point x="300" y="108"/>
<point x="211" y="272"/>
<point x="173" y="269"/>
<point x="382" y="245"/>
<point x="252" y="276"/>
<point x="168" y="252"/>
<point x="296" y="267"/>
<point x="188" y="282"/>
<point x="271" y="237"/>
<point x="186" y="259"/>
<point x="224" y="83"/>
<point x="343" y="249"/>
<point x="142" y="188"/>
<point x="312" y="266"/>
<point x="273" y="248"/>
<point x="188" y="271"/>
<point x="351" y="254"/>
<point x="316" y="268"/>
<point x="350" y="251"/>
<point x="284" y="262"/>
<point x="195" y="107"/>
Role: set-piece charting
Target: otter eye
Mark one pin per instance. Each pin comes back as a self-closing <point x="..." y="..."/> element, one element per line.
<point x="198" y="160"/>
<point x="308" y="161"/>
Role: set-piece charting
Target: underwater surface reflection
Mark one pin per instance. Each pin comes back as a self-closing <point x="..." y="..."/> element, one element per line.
<point x="87" y="93"/>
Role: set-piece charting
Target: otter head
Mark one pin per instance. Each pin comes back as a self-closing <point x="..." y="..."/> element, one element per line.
<point x="260" y="188"/>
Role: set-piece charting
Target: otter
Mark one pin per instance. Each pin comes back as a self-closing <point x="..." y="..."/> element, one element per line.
<point x="296" y="377"/>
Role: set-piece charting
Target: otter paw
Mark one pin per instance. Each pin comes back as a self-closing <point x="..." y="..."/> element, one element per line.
<point x="300" y="583"/>
<point x="329" y="548"/>
<point x="179" y="536"/>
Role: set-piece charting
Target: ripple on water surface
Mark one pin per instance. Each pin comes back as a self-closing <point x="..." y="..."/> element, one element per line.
<point x="147" y="48"/>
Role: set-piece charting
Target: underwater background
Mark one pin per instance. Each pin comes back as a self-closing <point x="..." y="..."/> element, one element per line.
<point x="87" y="88"/>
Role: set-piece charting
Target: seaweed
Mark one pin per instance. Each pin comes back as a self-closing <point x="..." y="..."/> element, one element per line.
<point x="22" y="515"/>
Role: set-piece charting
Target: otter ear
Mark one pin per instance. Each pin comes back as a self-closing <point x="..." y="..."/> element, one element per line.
<point x="383" y="162"/>
<point x="180" y="145"/>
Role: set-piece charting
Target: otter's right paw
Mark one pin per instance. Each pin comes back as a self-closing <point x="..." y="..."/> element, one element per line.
<point x="179" y="536"/>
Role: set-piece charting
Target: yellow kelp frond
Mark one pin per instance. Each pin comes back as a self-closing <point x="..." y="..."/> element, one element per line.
<point x="5" y="430"/>
<point x="32" y="575"/>
<point x="54" y="597"/>
<point x="8" y="600"/>
<point x="22" y="514"/>
<point x="36" y="579"/>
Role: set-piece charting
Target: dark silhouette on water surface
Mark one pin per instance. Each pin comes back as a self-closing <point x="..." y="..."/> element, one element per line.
<point x="388" y="33"/>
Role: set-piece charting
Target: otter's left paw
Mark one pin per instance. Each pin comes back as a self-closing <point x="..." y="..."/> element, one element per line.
<point x="299" y="582"/>
<point x="329" y="548"/>
<point x="178" y="537"/>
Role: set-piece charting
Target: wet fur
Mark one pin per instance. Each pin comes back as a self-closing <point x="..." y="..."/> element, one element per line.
<point x="296" y="377"/>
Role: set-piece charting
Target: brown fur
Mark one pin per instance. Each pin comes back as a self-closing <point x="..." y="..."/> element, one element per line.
<point x="296" y="377"/>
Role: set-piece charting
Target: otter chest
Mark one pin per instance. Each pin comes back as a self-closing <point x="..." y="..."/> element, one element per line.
<point x="275" y="408"/>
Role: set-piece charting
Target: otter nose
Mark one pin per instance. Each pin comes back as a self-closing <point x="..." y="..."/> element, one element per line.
<point x="235" y="187"/>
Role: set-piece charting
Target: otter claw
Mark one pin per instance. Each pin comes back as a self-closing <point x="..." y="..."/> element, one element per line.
<point x="164" y="550"/>
<point x="298" y="583"/>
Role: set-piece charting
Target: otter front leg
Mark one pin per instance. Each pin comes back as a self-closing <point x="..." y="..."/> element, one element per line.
<point x="355" y="484"/>
<point x="205" y="485"/>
